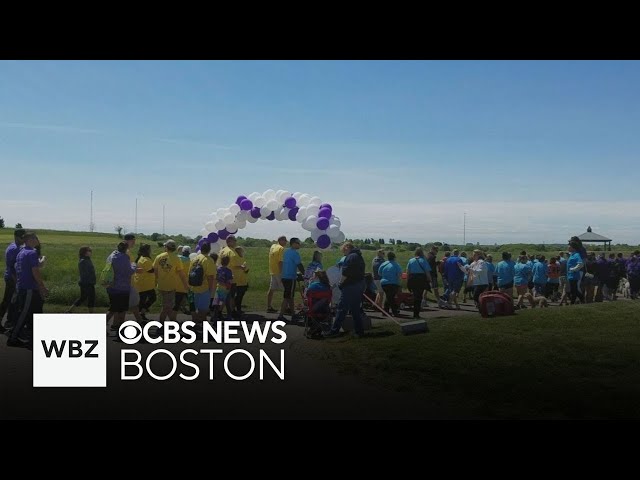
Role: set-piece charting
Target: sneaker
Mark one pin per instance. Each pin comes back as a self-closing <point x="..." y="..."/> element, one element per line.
<point x="271" y="310"/>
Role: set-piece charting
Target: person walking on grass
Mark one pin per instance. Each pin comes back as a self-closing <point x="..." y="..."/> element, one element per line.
<point x="505" y="272"/>
<point x="181" y="302"/>
<point x="418" y="277"/>
<point x="169" y="270"/>
<point x="145" y="280"/>
<point x="242" y="282"/>
<point x="276" y="253"/>
<point x="120" y="287"/>
<point x="391" y="273"/>
<point x="454" y="271"/>
<point x="291" y="268"/>
<point x="87" y="281"/>
<point x="235" y="265"/>
<point x="9" y="303"/>
<point x="433" y="280"/>
<point x="479" y="276"/>
<point x="521" y="276"/>
<point x="375" y="266"/>
<point x="134" y="297"/>
<point x="575" y="265"/>
<point x="31" y="292"/>
<point x="203" y="293"/>
<point x="633" y="274"/>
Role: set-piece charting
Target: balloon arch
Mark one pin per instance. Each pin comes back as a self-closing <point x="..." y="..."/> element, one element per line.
<point x="315" y="217"/>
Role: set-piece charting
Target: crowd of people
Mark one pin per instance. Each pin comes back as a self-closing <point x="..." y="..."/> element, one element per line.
<point x="206" y="284"/>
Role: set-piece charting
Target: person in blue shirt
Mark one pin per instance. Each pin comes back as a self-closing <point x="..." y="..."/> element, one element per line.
<point x="418" y="278"/>
<point x="291" y="265"/>
<point x="314" y="266"/>
<point x="491" y="273"/>
<point x="7" y="306"/>
<point x="575" y="264"/>
<point x="505" y="272"/>
<point x="521" y="275"/>
<point x="539" y="275"/>
<point x="390" y="274"/>
<point x="455" y="273"/>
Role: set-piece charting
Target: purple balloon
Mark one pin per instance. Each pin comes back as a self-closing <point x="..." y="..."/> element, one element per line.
<point x="326" y="205"/>
<point x="255" y="212"/>
<point x="272" y="216"/>
<point x="212" y="237"/>
<point x="246" y="204"/>
<point x="223" y="234"/>
<point x="322" y="223"/>
<point x="323" y="241"/>
<point x="324" y="213"/>
<point x="292" y="214"/>
<point x="290" y="202"/>
<point x="201" y="241"/>
<point x="240" y="199"/>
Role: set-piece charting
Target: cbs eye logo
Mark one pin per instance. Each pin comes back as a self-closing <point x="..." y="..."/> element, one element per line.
<point x="130" y="332"/>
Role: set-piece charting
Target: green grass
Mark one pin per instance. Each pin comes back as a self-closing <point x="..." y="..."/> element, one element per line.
<point x="570" y="362"/>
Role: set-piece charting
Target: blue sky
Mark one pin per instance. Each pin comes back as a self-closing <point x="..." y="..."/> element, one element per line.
<point x="532" y="151"/>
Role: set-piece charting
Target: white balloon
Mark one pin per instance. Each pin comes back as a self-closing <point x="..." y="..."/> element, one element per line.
<point x="310" y="222"/>
<point x="210" y="226"/>
<point x="304" y="200"/>
<point x="252" y="220"/>
<point x="243" y="215"/>
<point x="340" y="238"/>
<point x="315" y="234"/>
<point x="313" y="210"/>
<point x="269" y="194"/>
<point x="241" y="224"/>
<point x="235" y="208"/>
<point x="204" y="233"/>
<point x="284" y="195"/>
<point x="333" y="231"/>
<point x="285" y="213"/>
<point x="315" y="201"/>
<point x="336" y="222"/>
<point x="215" y="247"/>
<point x="229" y="218"/>
<point x="302" y="214"/>
<point x="326" y="249"/>
<point x="220" y="212"/>
<point x="232" y="231"/>
<point x="253" y="196"/>
<point x="192" y="256"/>
<point x="273" y="205"/>
<point x="297" y="195"/>
<point x="220" y="225"/>
<point x="260" y="202"/>
<point x="265" y="212"/>
<point x="233" y="226"/>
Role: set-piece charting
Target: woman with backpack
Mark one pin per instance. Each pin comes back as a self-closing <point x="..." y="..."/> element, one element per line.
<point x="87" y="281"/>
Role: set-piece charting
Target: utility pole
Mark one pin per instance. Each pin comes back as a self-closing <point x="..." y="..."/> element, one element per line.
<point x="135" y="227"/>
<point x="91" y="225"/>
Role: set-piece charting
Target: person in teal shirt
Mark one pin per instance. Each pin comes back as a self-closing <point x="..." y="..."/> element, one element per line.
<point x="521" y="275"/>
<point x="390" y="275"/>
<point x="418" y="274"/>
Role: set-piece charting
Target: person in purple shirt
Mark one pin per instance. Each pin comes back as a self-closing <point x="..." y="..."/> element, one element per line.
<point x="31" y="291"/>
<point x="120" y="287"/>
<point x="602" y="275"/>
<point x="633" y="274"/>
<point x="7" y="306"/>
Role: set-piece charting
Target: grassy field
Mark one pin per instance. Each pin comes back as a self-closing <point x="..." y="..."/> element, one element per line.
<point x="571" y="362"/>
<point x="61" y="271"/>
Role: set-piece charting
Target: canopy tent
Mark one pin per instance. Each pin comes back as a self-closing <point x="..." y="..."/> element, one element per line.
<point x="590" y="237"/>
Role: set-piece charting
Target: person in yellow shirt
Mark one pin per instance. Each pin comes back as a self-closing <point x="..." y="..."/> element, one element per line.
<point x="203" y="293"/>
<point x="181" y="293"/>
<point x="145" y="280"/>
<point x="275" y="270"/>
<point x="235" y="264"/>
<point x="169" y="270"/>
<point x="241" y="277"/>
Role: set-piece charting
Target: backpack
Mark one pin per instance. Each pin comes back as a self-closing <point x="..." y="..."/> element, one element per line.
<point x="495" y="304"/>
<point x="196" y="275"/>
<point x="106" y="275"/>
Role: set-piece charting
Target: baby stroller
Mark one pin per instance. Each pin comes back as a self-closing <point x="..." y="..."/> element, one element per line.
<point x="317" y="313"/>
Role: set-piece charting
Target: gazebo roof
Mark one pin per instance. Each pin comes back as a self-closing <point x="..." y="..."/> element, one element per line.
<point x="589" y="236"/>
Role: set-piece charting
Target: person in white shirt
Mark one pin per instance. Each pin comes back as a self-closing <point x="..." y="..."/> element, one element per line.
<point x="478" y="275"/>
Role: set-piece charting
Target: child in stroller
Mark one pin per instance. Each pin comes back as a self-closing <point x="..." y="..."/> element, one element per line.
<point x="317" y="308"/>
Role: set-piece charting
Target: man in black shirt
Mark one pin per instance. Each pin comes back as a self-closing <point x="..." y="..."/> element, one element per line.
<point x="352" y="287"/>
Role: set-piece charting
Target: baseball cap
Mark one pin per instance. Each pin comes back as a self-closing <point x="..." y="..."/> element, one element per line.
<point x="129" y="236"/>
<point x="170" y="243"/>
<point x="186" y="249"/>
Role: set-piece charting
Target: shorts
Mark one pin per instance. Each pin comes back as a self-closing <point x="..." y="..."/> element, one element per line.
<point x="506" y="286"/>
<point x="119" y="302"/>
<point x="202" y="301"/>
<point x="221" y="295"/>
<point x="177" y="303"/>
<point x="168" y="298"/>
<point x="378" y="286"/>
<point x="288" y="288"/>
<point x="455" y="285"/>
<point x="276" y="283"/>
<point x="434" y="280"/>
<point x="134" y="297"/>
